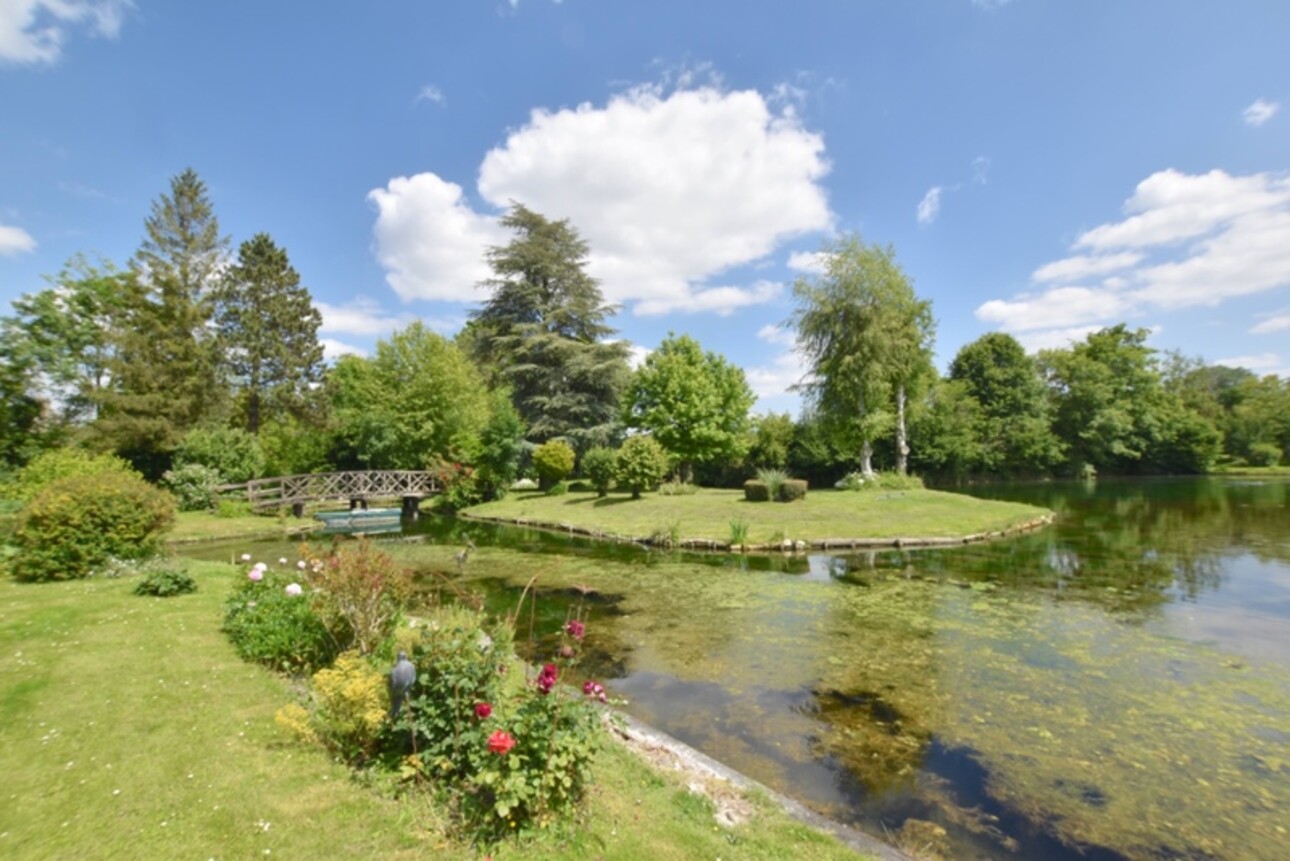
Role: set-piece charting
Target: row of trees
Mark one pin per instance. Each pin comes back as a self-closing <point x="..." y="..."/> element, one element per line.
<point x="187" y="338"/>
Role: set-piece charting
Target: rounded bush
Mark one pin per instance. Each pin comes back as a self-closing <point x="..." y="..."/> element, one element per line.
<point x="79" y="523"/>
<point x="232" y="452"/>
<point x="553" y="461"/>
<point x="641" y="463"/>
<point x="193" y="485"/>
<point x="598" y="467"/>
<point x="58" y="463"/>
<point x="269" y="626"/>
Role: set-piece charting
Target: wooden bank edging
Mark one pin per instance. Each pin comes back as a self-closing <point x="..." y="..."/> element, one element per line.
<point x="785" y="546"/>
<point x="637" y="732"/>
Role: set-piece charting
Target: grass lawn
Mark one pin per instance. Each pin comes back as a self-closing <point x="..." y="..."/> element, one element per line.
<point x="129" y="729"/>
<point x="204" y="526"/>
<point x="823" y="514"/>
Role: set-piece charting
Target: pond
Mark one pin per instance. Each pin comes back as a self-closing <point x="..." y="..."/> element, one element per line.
<point x="1114" y="686"/>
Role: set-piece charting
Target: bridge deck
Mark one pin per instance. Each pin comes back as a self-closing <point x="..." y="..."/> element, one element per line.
<point x="296" y="490"/>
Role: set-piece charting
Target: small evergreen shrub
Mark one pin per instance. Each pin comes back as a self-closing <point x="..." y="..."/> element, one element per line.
<point x="792" y="490"/>
<point x="78" y="523"/>
<point x="1264" y="454"/>
<point x="270" y="626"/>
<point x="193" y="485"/>
<point x="232" y="452"/>
<point x="348" y="709"/>
<point x="641" y="463"/>
<point x="50" y="466"/>
<point x="233" y="508"/>
<point x="598" y="467"/>
<point x="560" y="488"/>
<point x="166" y="583"/>
<point x="756" y="491"/>
<point x="553" y="461"/>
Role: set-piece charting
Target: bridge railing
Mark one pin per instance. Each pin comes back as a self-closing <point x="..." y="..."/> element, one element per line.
<point x="286" y="490"/>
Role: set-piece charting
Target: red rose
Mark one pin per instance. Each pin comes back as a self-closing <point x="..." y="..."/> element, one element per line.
<point x="501" y="742"/>
<point x="483" y="710"/>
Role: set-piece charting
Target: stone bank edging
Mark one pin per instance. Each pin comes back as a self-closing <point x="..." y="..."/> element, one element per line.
<point x="636" y="733"/>
<point x="785" y="546"/>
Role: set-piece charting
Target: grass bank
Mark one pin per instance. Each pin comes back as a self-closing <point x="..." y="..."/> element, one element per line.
<point x="196" y="526"/>
<point x="128" y="728"/>
<point x="823" y="516"/>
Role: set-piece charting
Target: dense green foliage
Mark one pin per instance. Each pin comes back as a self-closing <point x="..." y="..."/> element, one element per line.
<point x="694" y="403"/>
<point x="501" y="447"/>
<point x="57" y="463"/>
<point x="542" y="332"/>
<point x="267" y="625"/>
<point x="232" y="452"/>
<point x="194" y="486"/>
<point x="772" y="439"/>
<point x="553" y="461"/>
<point x="598" y="466"/>
<point x="166" y="583"/>
<point x="268" y="330"/>
<point x="641" y="463"/>
<point x="79" y="523"/>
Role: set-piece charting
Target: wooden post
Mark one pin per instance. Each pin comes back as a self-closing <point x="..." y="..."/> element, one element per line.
<point x="411" y="507"/>
<point x="297" y="509"/>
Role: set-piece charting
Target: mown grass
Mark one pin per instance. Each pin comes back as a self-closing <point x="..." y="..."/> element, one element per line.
<point x="823" y="514"/>
<point x="129" y="729"/>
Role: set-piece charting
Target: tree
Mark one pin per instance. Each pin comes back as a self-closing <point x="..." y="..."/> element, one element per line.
<point x="20" y="410"/>
<point x="640" y="463"/>
<point x="542" y="331"/>
<point x="164" y="377"/>
<point x="694" y="403"/>
<point x="418" y="399"/>
<point x="772" y="439"/>
<point x="1014" y="429"/>
<point x="867" y="338"/>
<point x="268" y="330"/>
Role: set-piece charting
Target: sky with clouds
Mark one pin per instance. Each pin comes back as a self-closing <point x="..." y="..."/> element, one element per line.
<point x="1040" y="168"/>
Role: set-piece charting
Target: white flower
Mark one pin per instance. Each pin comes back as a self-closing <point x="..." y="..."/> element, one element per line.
<point x="293" y="589"/>
<point x="282" y="560"/>
<point x="301" y="565"/>
<point x="246" y="557"/>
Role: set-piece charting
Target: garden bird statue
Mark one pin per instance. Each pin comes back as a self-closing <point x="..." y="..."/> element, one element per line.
<point x="463" y="555"/>
<point x="402" y="676"/>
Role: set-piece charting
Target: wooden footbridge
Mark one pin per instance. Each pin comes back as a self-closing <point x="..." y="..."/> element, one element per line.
<point x="356" y="487"/>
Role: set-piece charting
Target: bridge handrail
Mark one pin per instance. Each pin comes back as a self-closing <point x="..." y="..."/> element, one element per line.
<point x="348" y="484"/>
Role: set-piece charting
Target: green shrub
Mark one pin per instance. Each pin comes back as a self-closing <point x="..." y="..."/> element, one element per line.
<point x="641" y="463"/>
<point x="77" y="523"/>
<point x="193" y="485"/>
<point x="1264" y="454"/>
<point x="851" y="481"/>
<point x="233" y="508"/>
<point x="348" y="709"/>
<point x="560" y="488"/>
<point x="677" y="488"/>
<point x="792" y="490"/>
<point x="166" y="583"/>
<point x="896" y="481"/>
<point x="553" y="461"/>
<point x="232" y="452"/>
<point x="773" y="479"/>
<point x="271" y="627"/>
<point x="598" y="467"/>
<point x="50" y="466"/>
<point x="358" y="592"/>
<point x="756" y="491"/>
<point x="460" y="485"/>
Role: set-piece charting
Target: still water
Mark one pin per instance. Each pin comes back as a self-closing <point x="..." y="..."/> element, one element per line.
<point x="1114" y="686"/>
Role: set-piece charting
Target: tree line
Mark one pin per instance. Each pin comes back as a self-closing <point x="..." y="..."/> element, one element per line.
<point x="187" y="341"/>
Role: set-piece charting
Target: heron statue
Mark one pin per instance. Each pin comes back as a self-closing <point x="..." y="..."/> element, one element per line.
<point x="463" y="555"/>
<point x="402" y="677"/>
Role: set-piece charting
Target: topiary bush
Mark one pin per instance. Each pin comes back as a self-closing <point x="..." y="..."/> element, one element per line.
<point x="553" y="461"/>
<point x="58" y="463"/>
<point x="166" y="583"/>
<point x="756" y="491"/>
<point x="78" y="523"/>
<point x="560" y="488"/>
<point x="598" y="467"/>
<point x="641" y="463"/>
<point x="194" y="486"/>
<point x="232" y="452"/>
<point x="792" y="490"/>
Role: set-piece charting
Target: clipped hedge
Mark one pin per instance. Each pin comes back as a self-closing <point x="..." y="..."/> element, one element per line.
<point x="756" y="491"/>
<point x="792" y="490"/>
<point x="77" y="524"/>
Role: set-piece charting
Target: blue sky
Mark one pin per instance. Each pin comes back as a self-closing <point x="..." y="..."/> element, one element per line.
<point x="1043" y="168"/>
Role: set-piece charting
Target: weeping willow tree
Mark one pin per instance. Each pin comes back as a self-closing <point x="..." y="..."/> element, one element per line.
<point x="867" y="339"/>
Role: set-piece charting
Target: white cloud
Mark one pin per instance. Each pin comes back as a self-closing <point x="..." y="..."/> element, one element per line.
<point x="360" y="316"/>
<point x="1188" y="240"/>
<point x="1267" y="362"/>
<point x="431" y="93"/>
<point x="1259" y="112"/>
<point x="636" y="355"/>
<point x="33" y="31"/>
<point x="333" y="349"/>
<point x="430" y="239"/>
<point x="15" y="240"/>
<point x="722" y="301"/>
<point x="1277" y="323"/>
<point x="930" y="206"/>
<point x="1054" y="339"/>
<point x="669" y="190"/>
<point x="1082" y="266"/>
<point x="811" y="262"/>
<point x="781" y="335"/>
<point x="774" y="379"/>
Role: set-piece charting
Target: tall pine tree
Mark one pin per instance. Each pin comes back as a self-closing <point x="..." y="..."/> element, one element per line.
<point x="543" y="332"/>
<point x="164" y="374"/>
<point x="268" y="332"/>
